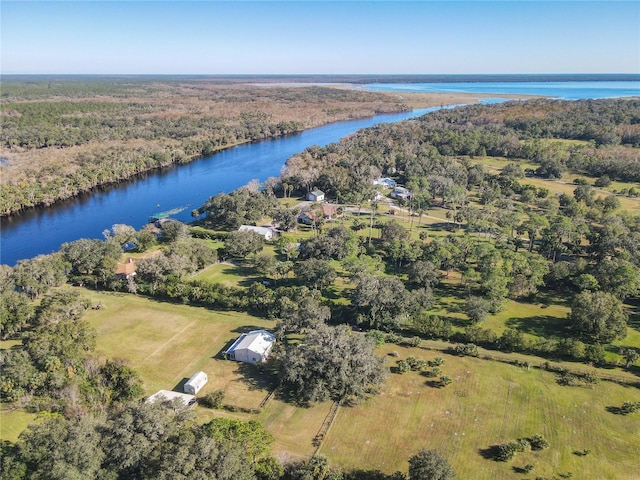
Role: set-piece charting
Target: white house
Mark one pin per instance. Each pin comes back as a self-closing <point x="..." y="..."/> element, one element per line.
<point x="385" y="182"/>
<point x="168" y="395"/>
<point x="316" y="196"/>
<point x="400" y="192"/>
<point x="264" y="232"/>
<point x="195" y="383"/>
<point x="253" y="347"/>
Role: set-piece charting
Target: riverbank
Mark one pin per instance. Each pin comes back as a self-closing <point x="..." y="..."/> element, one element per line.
<point x="60" y="143"/>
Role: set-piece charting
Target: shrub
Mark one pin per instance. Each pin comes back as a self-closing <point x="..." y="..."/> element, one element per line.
<point x="630" y="407"/>
<point x="377" y="336"/>
<point x="438" y="361"/>
<point x="523" y="445"/>
<point x="212" y="399"/>
<point x="505" y="451"/>
<point x="538" y="442"/>
<point x="393" y="338"/>
<point x="444" y="381"/>
<point x="470" y="349"/>
<point x="403" y="366"/>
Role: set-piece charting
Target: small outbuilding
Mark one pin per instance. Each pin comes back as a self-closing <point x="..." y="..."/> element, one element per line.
<point x="195" y="383"/>
<point x="316" y="196"/>
<point x="169" y="395"/>
<point x="264" y="232"/>
<point x="253" y="347"/>
<point x="401" y="192"/>
<point x="385" y="182"/>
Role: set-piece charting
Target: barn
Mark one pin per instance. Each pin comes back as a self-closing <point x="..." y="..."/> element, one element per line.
<point x="264" y="232"/>
<point x="195" y="383"/>
<point x="253" y="347"/>
<point x="315" y="196"/>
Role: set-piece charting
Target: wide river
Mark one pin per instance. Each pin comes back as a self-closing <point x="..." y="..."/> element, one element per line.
<point x="43" y="230"/>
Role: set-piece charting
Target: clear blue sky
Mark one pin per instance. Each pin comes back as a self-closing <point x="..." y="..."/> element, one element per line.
<point x="305" y="37"/>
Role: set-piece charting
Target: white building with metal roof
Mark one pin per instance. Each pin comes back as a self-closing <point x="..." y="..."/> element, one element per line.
<point x="195" y="383"/>
<point x="264" y="232"/>
<point x="253" y="347"/>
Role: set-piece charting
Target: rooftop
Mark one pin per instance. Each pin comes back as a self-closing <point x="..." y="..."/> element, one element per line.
<point x="256" y="341"/>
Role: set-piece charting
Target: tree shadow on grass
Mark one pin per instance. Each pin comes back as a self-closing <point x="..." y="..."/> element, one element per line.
<point x="433" y="384"/>
<point x="614" y="410"/>
<point x="256" y="377"/>
<point x="539" y="325"/>
<point x="489" y="453"/>
<point x="634" y="313"/>
<point x="372" y="475"/>
<point x="519" y="469"/>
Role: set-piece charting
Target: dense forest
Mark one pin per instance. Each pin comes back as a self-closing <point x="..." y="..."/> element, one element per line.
<point x="467" y="244"/>
<point x="62" y="138"/>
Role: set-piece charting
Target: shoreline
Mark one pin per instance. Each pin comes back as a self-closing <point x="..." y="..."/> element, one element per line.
<point x="412" y="101"/>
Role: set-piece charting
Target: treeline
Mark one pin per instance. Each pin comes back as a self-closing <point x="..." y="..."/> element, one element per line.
<point x="513" y="130"/>
<point x="116" y="130"/>
<point x="163" y="441"/>
<point x="98" y="430"/>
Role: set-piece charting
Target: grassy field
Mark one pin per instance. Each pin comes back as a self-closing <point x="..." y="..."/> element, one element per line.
<point x="494" y="165"/>
<point x="167" y="343"/>
<point x="489" y="403"/>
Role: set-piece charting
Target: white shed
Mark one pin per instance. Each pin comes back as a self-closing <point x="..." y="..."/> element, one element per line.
<point x="253" y="347"/>
<point x="195" y="383"/>
<point x="316" y="196"/>
<point x="264" y="232"/>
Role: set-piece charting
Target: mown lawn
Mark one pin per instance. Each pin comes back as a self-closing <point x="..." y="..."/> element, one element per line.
<point x="13" y="421"/>
<point x="488" y="403"/>
<point x="167" y="343"/>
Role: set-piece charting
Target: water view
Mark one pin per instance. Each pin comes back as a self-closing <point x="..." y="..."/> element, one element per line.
<point x="186" y="187"/>
<point x="574" y="90"/>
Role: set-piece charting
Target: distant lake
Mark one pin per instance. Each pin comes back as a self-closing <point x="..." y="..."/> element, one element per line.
<point x="43" y="230"/>
<point x="562" y="90"/>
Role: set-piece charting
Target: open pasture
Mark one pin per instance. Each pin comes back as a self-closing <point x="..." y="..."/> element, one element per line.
<point x="167" y="343"/>
<point x="488" y="403"/>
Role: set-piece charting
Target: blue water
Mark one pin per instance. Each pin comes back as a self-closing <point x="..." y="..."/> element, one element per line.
<point x="44" y="230"/>
<point x="561" y="90"/>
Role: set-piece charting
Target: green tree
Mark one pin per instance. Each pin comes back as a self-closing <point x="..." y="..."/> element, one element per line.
<point x="383" y="301"/>
<point x="631" y="356"/>
<point x="314" y="273"/>
<point x="332" y="363"/>
<point x="122" y="381"/>
<point x="60" y="449"/>
<point x="16" y="313"/>
<point x="598" y="316"/>
<point x="37" y="275"/>
<point x="430" y="465"/>
<point x="174" y="231"/>
<point x="240" y="244"/>
<point x="252" y="438"/>
<point x="477" y="309"/>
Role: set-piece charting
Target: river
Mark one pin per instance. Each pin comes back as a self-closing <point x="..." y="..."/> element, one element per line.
<point x="43" y="230"/>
